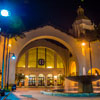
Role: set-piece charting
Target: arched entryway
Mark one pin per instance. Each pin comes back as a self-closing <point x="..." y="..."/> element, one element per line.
<point x="50" y="80"/>
<point x="95" y="71"/>
<point x="37" y="63"/>
<point x="47" y="32"/>
<point x="41" y="80"/>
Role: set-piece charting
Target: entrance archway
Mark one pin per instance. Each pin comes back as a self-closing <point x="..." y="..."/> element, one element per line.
<point x="39" y="60"/>
<point x="47" y="32"/>
<point x="95" y="71"/>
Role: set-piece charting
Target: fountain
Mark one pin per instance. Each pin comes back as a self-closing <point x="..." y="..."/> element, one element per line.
<point x="85" y="88"/>
<point x="85" y="82"/>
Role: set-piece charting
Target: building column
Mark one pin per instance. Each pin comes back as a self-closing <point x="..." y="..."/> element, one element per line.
<point x="55" y="61"/>
<point x="55" y="80"/>
<point x="46" y="80"/>
<point x="26" y="82"/>
<point x="36" y="80"/>
<point x="67" y="72"/>
<point x="26" y="60"/>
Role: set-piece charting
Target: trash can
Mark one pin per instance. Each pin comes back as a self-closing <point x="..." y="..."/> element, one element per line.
<point x="13" y="87"/>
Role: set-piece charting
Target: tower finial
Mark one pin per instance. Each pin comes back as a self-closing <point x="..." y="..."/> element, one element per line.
<point x="80" y="11"/>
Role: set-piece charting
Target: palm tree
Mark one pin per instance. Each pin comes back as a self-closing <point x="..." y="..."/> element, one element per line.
<point x="19" y="77"/>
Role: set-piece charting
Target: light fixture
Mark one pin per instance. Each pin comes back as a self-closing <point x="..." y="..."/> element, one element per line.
<point x="9" y="45"/>
<point x="13" y="57"/>
<point x="55" y="77"/>
<point x="26" y="76"/>
<point x="83" y="44"/>
<point x="4" y="13"/>
<point x="49" y="66"/>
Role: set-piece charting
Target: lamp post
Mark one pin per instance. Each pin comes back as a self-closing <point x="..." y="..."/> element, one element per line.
<point x="90" y="57"/>
<point x="13" y="57"/>
<point x="4" y="13"/>
<point x="83" y="44"/>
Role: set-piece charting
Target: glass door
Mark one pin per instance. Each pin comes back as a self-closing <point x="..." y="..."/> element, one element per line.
<point x="32" y="81"/>
<point x="40" y="81"/>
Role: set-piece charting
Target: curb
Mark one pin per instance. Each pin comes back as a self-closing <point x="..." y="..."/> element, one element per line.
<point x="6" y="96"/>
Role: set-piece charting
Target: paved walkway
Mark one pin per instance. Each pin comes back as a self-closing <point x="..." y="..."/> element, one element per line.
<point x="34" y="94"/>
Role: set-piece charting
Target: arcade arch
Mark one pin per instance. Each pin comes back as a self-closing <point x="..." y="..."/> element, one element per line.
<point x="47" y="32"/>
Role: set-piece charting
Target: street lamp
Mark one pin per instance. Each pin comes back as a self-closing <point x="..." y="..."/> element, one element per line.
<point x="13" y="58"/>
<point x="83" y="44"/>
<point x="4" y="13"/>
<point x="90" y="57"/>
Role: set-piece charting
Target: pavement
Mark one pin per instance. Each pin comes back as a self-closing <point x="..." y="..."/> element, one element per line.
<point x="34" y="94"/>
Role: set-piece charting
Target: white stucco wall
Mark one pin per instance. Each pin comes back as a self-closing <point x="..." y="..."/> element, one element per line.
<point x="49" y="32"/>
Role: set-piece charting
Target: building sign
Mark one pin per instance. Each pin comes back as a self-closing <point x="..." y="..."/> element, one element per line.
<point x="41" y="61"/>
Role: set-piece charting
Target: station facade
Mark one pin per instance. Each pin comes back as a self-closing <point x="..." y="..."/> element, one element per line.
<point x="46" y="55"/>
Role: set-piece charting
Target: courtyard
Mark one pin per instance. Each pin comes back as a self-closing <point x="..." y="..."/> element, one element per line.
<point x="49" y="45"/>
<point x="34" y="94"/>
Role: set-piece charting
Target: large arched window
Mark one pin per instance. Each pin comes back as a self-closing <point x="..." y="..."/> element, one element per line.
<point x="40" y="57"/>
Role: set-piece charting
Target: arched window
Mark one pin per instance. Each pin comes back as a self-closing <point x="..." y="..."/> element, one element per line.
<point x="40" y="57"/>
<point x="72" y="68"/>
<point x="41" y="79"/>
<point x="60" y="79"/>
<point x="50" y="80"/>
<point x="95" y="71"/>
<point x="32" y="80"/>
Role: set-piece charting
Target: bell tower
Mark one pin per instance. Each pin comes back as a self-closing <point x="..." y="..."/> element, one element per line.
<point x="81" y="24"/>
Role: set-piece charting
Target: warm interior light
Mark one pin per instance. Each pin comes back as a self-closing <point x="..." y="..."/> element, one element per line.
<point x="23" y="66"/>
<point x="83" y="44"/>
<point x="55" y="77"/>
<point x="9" y="45"/>
<point x="96" y="74"/>
<point x="73" y="68"/>
<point x="26" y="76"/>
<point x="49" y="66"/>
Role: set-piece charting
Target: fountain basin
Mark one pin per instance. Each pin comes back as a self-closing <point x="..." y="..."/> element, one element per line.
<point x="71" y="94"/>
<point x="84" y="78"/>
<point x="85" y="82"/>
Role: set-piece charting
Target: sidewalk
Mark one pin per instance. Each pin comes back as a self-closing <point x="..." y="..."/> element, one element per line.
<point x="6" y="94"/>
<point x="14" y="96"/>
<point x="34" y="94"/>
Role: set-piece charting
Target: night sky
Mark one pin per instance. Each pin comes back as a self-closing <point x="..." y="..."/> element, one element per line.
<point x="32" y="14"/>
